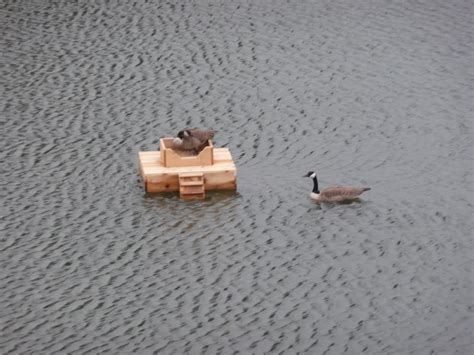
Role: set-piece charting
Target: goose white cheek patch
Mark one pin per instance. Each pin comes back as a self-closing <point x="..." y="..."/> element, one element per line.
<point x="313" y="175"/>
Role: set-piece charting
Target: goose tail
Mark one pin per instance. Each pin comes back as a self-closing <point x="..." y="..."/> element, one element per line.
<point x="366" y="188"/>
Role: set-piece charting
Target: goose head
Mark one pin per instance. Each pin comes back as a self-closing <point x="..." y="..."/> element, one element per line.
<point x="184" y="134"/>
<point x="310" y="174"/>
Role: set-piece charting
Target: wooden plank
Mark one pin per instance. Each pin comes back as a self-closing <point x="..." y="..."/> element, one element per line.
<point x="161" y="187"/>
<point x="192" y="197"/>
<point x="223" y="186"/>
<point x="190" y="182"/>
<point x="147" y="161"/>
<point x="191" y="190"/>
<point x="224" y="179"/>
<point x="164" y="186"/>
<point x="162" y="152"/>
<point x="149" y="156"/>
<point x="222" y="154"/>
<point x="159" y="170"/>
<point x="193" y="174"/>
<point x="163" y="178"/>
<point x="149" y="153"/>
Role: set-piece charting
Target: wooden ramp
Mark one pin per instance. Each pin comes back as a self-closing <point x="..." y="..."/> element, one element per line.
<point x="191" y="185"/>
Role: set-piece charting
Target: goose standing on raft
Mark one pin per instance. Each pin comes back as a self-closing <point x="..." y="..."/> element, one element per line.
<point x="192" y="139"/>
<point x="334" y="193"/>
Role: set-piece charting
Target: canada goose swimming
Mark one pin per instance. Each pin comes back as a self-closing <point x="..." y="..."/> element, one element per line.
<point x="334" y="193"/>
<point x="192" y="140"/>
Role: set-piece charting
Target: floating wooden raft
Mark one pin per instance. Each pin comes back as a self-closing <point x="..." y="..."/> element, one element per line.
<point x="167" y="170"/>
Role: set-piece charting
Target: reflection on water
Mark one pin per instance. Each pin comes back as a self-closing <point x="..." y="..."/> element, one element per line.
<point x="372" y="94"/>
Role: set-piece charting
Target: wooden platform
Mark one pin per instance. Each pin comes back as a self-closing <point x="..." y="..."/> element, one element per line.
<point x="189" y="180"/>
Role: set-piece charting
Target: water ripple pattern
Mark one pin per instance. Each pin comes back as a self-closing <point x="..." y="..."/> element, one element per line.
<point x="374" y="93"/>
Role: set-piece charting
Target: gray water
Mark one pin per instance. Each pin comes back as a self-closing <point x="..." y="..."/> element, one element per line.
<point x="372" y="93"/>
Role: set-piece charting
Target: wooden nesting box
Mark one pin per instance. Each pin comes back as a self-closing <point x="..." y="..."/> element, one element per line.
<point x="168" y="170"/>
<point x="172" y="158"/>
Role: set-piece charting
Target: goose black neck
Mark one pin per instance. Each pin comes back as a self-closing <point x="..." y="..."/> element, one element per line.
<point x="315" y="187"/>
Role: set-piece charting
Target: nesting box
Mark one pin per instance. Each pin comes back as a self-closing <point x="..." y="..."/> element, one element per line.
<point x="168" y="170"/>
<point x="172" y="158"/>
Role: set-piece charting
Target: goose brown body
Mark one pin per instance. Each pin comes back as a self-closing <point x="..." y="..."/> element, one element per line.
<point x="202" y="134"/>
<point x="334" y="193"/>
<point x="338" y="193"/>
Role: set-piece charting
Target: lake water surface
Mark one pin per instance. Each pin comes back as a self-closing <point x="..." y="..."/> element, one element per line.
<point x="373" y="93"/>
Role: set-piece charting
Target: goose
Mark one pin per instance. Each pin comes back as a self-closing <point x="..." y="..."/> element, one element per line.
<point x="334" y="193"/>
<point x="202" y="134"/>
<point x="192" y="140"/>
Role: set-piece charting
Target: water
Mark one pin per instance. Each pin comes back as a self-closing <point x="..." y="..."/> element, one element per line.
<point x="374" y="93"/>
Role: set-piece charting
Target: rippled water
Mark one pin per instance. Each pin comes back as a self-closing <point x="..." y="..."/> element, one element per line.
<point x="370" y="93"/>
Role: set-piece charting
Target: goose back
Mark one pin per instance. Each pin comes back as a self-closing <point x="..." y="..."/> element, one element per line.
<point x="341" y="193"/>
<point x="202" y="134"/>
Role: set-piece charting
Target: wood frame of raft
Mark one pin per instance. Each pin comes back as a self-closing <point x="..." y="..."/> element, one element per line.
<point x="167" y="170"/>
